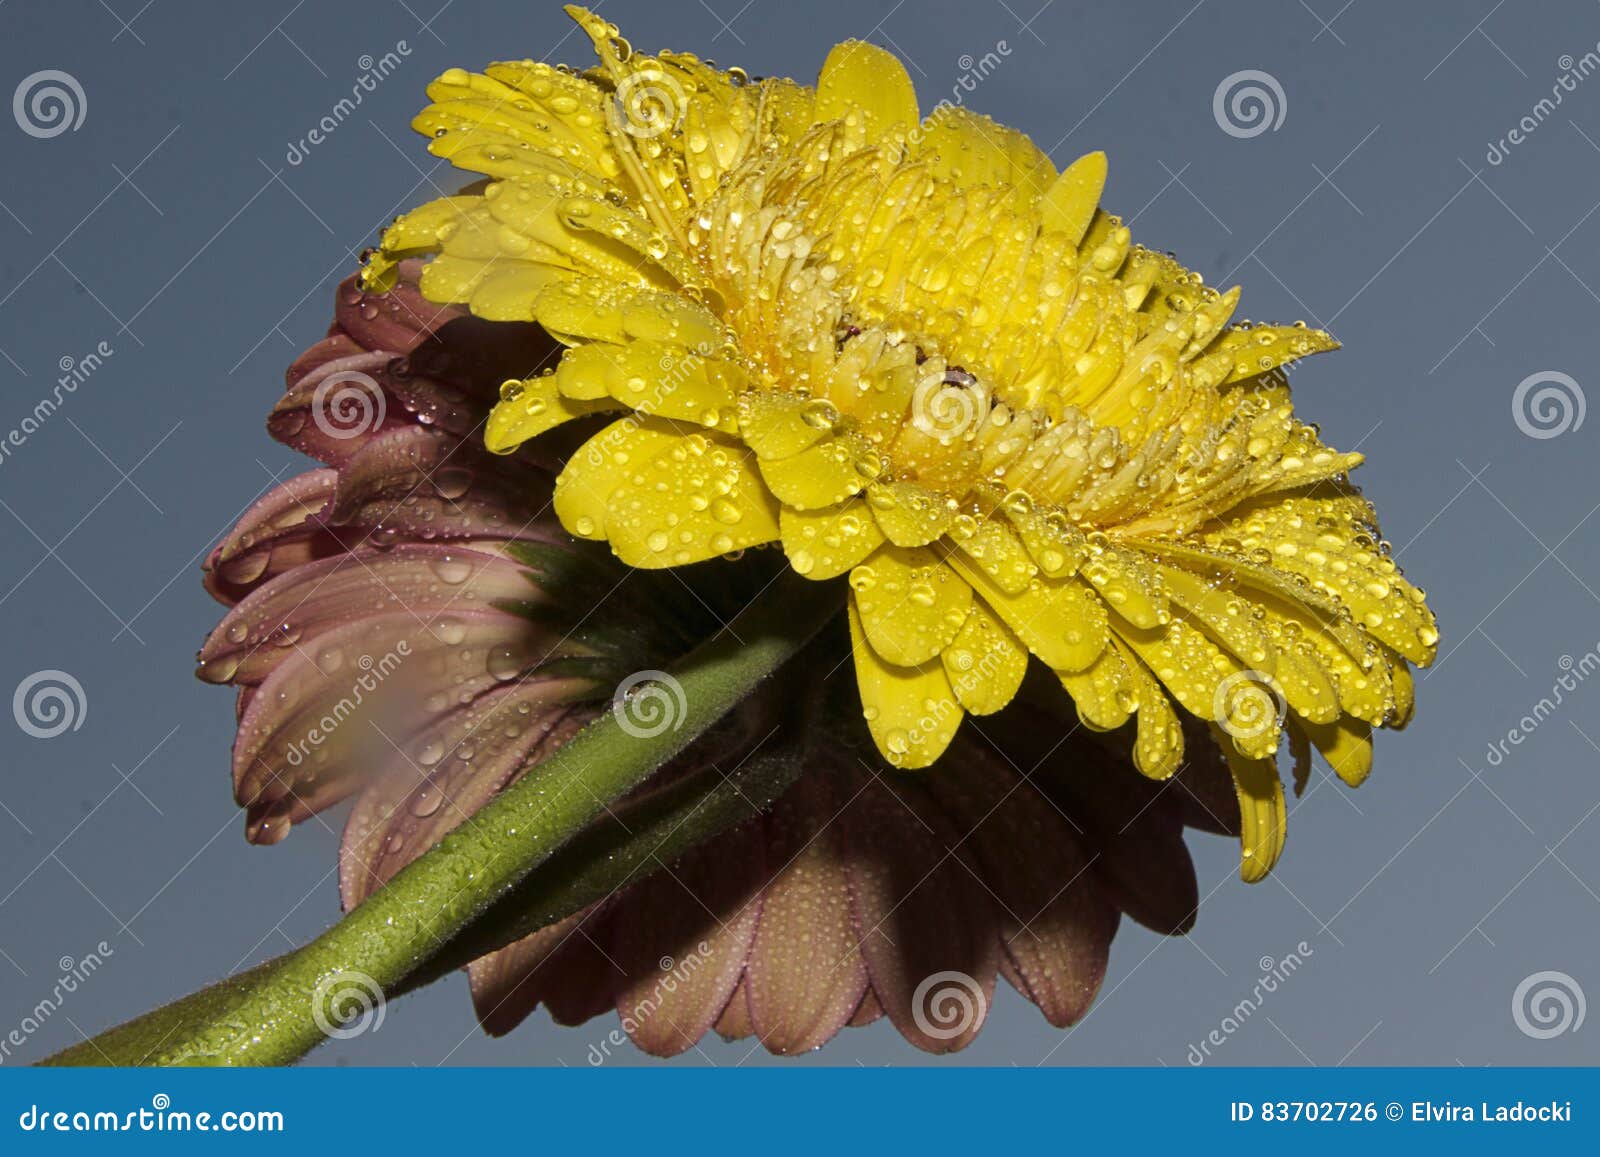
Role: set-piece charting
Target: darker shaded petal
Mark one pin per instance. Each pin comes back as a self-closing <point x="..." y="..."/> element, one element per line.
<point x="1055" y="923"/>
<point x="1203" y="786"/>
<point x="926" y="927"/>
<point x="416" y="483"/>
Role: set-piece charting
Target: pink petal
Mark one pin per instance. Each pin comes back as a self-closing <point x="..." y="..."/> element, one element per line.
<point x="682" y="937"/>
<point x="328" y="714"/>
<point x="735" y="1023"/>
<point x="274" y="535"/>
<point x="336" y="408"/>
<point x="806" y="974"/>
<point x="294" y="610"/>
<point x="397" y="320"/>
<point x="438" y="778"/>
<point x="870" y="1010"/>
<point x="562" y="966"/>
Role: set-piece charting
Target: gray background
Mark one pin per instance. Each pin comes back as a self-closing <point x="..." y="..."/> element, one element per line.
<point x="170" y="226"/>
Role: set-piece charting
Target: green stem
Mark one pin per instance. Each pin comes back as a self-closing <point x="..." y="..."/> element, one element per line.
<point x="271" y="1014"/>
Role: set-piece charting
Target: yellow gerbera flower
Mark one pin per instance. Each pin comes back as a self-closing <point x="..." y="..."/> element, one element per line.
<point x="913" y="353"/>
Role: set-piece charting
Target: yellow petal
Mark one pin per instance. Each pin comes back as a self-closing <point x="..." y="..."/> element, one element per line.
<point x="664" y="494"/>
<point x="451" y="280"/>
<point x="1131" y="585"/>
<point x="1103" y="692"/>
<point x="1263" y="817"/>
<point x="970" y="149"/>
<point x="1070" y="204"/>
<point x="1062" y="623"/>
<point x="672" y="318"/>
<point x="509" y="292"/>
<point x="1404" y="693"/>
<point x="1305" y="681"/>
<point x="776" y="424"/>
<point x="911" y="712"/>
<point x="984" y="663"/>
<point x="411" y="234"/>
<point x="1049" y="537"/>
<point x="825" y="475"/>
<point x="1266" y="347"/>
<point x="528" y="408"/>
<point x="909" y="514"/>
<point x="823" y="544"/>
<point x="1224" y="616"/>
<point x="911" y="604"/>
<point x="1210" y="683"/>
<point x="863" y="81"/>
<point x="1346" y="745"/>
<point x="684" y="497"/>
<point x="997" y="550"/>
<point x="655" y="378"/>
<point x="1158" y="740"/>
